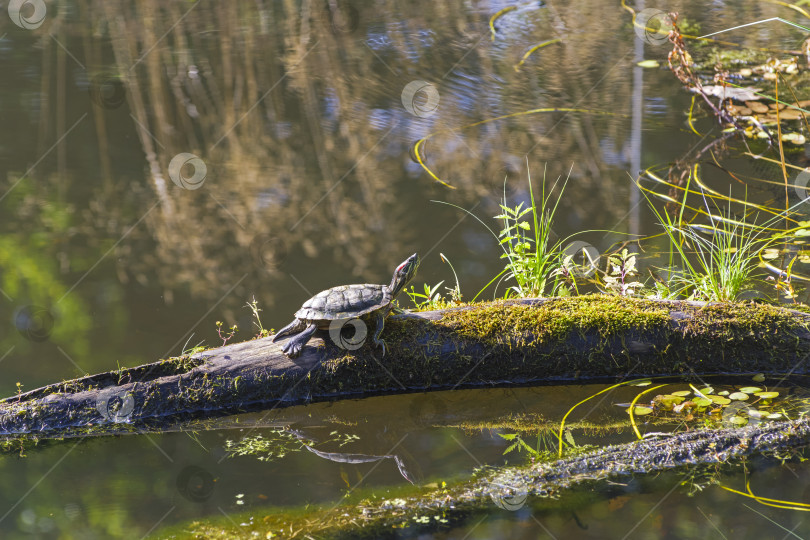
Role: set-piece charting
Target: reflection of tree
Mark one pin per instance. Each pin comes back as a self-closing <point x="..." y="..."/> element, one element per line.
<point x="300" y="124"/>
<point x="296" y="112"/>
<point x="303" y="133"/>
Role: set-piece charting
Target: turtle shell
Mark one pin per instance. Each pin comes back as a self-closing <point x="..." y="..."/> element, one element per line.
<point x="345" y="302"/>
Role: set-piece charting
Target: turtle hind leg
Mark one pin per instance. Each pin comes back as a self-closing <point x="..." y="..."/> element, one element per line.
<point x="293" y="347"/>
<point x="380" y="324"/>
<point x="293" y="328"/>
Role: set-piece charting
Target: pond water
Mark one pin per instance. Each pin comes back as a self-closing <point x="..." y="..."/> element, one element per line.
<point x="162" y="164"/>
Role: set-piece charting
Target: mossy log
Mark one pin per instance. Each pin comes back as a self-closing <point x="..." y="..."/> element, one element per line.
<point x="502" y="343"/>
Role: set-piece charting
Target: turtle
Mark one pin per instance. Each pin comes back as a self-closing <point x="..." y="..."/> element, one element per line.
<point x="332" y="308"/>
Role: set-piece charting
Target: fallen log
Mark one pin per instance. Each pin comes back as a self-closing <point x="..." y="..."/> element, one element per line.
<point x="502" y="343"/>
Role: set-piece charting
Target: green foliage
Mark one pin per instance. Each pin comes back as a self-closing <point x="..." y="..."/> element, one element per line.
<point x="534" y="262"/>
<point x="621" y="270"/>
<point x="717" y="268"/>
<point x="27" y="276"/>
<point x="431" y="298"/>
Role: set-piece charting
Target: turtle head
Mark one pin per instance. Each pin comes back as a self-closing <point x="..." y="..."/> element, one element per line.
<point x="404" y="274"/>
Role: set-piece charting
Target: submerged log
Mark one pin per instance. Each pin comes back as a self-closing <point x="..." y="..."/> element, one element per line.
<point x="510" y="488"/>
<point x="501" y="343"/>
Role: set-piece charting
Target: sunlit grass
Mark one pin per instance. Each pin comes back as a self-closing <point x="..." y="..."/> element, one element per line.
<point x="717" y="268"/>
<point x="536" y="263"/>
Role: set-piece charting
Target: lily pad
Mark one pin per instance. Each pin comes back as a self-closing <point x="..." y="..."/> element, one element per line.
<point x="640" y="410"/>
<point x="669" y="401"/>
<point x="770" y="253"/>
<point x="759" y="377"/>
<point x="757" y="107"/>
<point x="739" y="396"/>
<point x="767" y="395"/>
<point x="720" y="400"/>
<point x="682" y="393"/>
<point x="751" y="389"/>
<point x="702" y="401"/>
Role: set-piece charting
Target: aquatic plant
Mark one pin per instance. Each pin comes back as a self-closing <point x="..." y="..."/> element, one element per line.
<point x="537" y="264"/>
<point x="718" y="267"/>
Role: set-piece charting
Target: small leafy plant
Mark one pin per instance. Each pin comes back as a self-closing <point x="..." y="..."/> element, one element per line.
<point x="535" y="262"/>
<point x="253" y="306"/>
<point x="222" y="335"/>
<point x="620" y="274"/>
<point x="431" y="298"/>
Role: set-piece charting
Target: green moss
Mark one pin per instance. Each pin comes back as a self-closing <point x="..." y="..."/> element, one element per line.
<point x="555" y="319"/>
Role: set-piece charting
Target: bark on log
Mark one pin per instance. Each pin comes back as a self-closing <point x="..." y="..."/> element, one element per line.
<point x="502" y="343"/>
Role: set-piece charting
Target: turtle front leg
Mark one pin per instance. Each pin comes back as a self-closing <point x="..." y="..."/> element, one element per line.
<point x="293" y="347"/>
<point x="380" y="323"/>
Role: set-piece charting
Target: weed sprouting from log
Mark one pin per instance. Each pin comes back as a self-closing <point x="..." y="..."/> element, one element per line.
<point x="253" y="305"/>
<point x="226" y="337"/>
<point x="621" y="269"/>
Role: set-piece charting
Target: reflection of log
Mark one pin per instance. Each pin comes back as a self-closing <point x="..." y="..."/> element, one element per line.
<point x="500" y="343"/>
<point x="511" y="488"/>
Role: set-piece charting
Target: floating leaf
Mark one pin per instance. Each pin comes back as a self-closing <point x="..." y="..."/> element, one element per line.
<point x="739" y="396"/>
<point x="705" y="391"/>
<point x="757" y="107"/>
<point x="682" y="393"/>
<point x="668" y="401"/>
<point x="643" y="382"/>
<point x="770" y="254"/>
<point x="702" y="401"/>
<point x="767" y="395"/>
<point x="759" y="377"/>
<point x="720" y="400"/>
<point x="640" y="410"/>
<point x="791" y="114"/>
<point x="751" y="389"/>
<point x="723" y="393"/>
<point x="738" y="420"/>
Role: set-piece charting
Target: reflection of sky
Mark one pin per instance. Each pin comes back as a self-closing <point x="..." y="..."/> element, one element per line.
<point x="413" y="46"/>
<point x="656" y="106"/>
<point x="610" y="155"/>
<point x="331" y="108"/>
